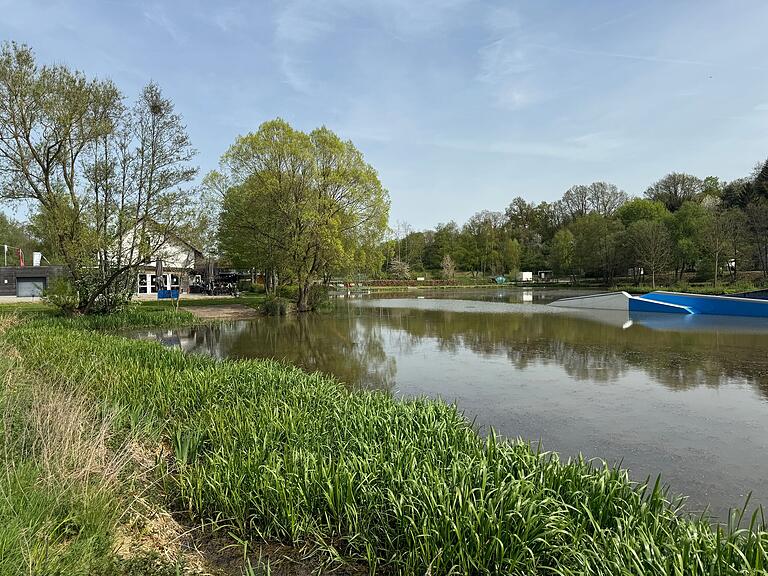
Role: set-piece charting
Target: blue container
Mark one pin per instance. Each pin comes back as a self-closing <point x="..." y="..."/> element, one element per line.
<point x="167" y="294"/>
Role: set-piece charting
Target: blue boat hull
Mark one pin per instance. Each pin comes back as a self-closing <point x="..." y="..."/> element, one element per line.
<point x="714" y="305"/>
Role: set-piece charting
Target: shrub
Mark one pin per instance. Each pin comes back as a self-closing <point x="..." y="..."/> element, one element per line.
<point x="275" y="306"/>
<point x="288" y="292"/>
<point x="63" y="295"/>
<point x="317" y="296"/>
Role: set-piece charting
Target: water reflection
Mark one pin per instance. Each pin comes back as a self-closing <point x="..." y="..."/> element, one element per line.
<point x="679" y="352"/>
<point x="351" y="350"/>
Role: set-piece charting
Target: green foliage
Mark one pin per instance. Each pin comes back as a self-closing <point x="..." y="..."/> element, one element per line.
<point x="275" y="306"/>
<point x="674" y="189"/>
<point x="641" y="209"/>
<point x="300" y="204"/>
<point x="137" y="315"/>
<point x="317" y="296"/>
<point x="105" y="193"/>
<point x="407" y="486"/>
<point x="511" y="253"/>
<point x="563" y="248"/>
<point x="146" y="564"/>
<point x="597" y="244"/>
<point x="62" y="295"/>
<point x="14" y="234"/>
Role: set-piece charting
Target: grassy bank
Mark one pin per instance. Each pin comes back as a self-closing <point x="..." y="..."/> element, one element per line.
<point x="708" y="288"/>
<point x="406" y="487"/>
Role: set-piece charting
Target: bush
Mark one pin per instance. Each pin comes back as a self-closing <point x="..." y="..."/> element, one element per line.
<point x="63" y="295"/>
<point x="288" y="292"/>
<point x="317" y="296"/>
<point x="275" y="306"/>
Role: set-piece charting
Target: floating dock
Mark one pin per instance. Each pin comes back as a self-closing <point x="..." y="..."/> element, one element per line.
<point x="753" y="306"/>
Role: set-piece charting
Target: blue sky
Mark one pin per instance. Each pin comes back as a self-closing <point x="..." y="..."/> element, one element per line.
<point x="461" y="105"/>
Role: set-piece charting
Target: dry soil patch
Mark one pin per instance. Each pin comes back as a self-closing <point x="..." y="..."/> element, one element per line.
<point x="225" y="312"/>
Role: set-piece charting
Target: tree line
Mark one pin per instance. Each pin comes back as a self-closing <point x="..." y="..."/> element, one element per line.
<point x="682" y="223"/>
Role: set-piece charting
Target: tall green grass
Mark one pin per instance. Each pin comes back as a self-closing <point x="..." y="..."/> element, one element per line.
<point x="407" y="486"/>
<point x="57" y="511"/>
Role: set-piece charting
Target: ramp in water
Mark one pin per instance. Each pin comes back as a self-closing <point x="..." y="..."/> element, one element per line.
<point x="621" y="301"/>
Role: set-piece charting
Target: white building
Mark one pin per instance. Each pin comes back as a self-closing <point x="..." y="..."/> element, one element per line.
<point x="182" y="265"/>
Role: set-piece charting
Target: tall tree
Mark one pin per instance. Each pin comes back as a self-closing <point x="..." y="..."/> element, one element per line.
<point x="605" y="198"/>
<point x="103" y="178"/>
<point x="674" y="189"/>
<point x="757" y="227"/>
<point x="302" y="203"/>
<point x="597" y="245"/>
<point x="482" y="236"/>
<point x="684" y="227"/>
<point x="651" y="245"/>
<point x="448" y="268"/>
<point x="511" y="253"/>
<point x="715" y="238"/>
<point x="575" y="202"/>
<point x="561" y="256"/>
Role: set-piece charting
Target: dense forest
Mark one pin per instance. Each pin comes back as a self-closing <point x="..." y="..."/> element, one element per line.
<point x="682" y="224"/>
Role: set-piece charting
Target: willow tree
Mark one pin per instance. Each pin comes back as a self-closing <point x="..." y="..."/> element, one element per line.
<point x="102" y="177"/>
<point x="299" y="204"/>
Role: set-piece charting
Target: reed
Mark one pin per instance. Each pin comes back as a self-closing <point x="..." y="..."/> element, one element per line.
<point x="407" y="486"/>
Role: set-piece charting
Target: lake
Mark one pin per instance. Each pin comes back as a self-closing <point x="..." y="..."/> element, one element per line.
<point x="686" y="397"/>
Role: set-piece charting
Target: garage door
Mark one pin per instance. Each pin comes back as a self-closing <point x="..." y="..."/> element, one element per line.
<point x="30" y="286"/>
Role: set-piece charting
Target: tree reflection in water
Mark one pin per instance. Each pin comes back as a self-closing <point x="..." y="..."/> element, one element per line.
<point x="360" y="344"/>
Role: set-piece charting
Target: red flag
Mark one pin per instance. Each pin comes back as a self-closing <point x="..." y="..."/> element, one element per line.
<point x="21" y="257"/>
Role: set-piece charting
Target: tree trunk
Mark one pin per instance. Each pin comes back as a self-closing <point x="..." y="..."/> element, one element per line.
<point x="301" y="303"/>
<point x="717" y="257"/>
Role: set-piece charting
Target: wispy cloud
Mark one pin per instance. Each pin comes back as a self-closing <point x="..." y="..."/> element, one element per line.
<point x="301" y="25"/>
<point x="228" y="18"/>
<point x="639" y="57"/>
<point x="501" y="59"/>
<point x="615" y="20"/>
<point x="155" y="13"/>
<point x="294" y="74"/>
<point x="592" y="147"/>
<point x="502" y="19"/>
<point x="504" y="67"/>
<point x="301" y="22"/>
<point x="407" y="18"/>
<point x="762" y="107"/>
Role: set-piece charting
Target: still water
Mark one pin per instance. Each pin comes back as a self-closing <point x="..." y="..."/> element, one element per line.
<point x="686" y="397"/>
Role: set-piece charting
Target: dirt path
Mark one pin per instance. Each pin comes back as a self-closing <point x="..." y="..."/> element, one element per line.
<point x="225" y="312"/>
